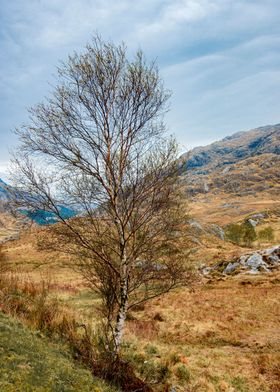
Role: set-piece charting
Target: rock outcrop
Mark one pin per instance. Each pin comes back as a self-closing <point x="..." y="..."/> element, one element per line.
<point x="254" y="262"/>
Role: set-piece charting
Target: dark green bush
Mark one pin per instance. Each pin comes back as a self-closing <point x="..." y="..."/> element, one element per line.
<point x="266" y="234"/>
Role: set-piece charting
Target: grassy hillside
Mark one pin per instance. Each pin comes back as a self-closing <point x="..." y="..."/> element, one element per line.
<point x="30" y="362"/>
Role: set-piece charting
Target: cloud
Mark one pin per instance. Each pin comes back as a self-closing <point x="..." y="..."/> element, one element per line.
<point x="220" y="57"/>
<point x="176" y="13"/>
<point x="4" y="170"/>
<point x="236" y="88"/>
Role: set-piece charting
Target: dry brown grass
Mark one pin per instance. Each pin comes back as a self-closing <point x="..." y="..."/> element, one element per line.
<point x="221" y="337"/>
<point x="224" y="336"/>
<point x="226" y="333"/>
<point x="224" y="208"/>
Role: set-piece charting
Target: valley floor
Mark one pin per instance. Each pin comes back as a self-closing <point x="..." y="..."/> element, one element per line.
<point x="221" y="336"/>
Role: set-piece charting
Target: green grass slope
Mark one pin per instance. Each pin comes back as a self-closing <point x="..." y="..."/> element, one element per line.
<point x="32" y="363"/>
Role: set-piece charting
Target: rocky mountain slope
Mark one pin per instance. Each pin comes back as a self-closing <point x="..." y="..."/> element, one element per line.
<point x="244" y="163"/>
<point x="233" y="181"/>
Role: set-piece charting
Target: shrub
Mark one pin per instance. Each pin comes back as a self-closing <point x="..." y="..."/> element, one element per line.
<point x="183" y="373"/>
<point x="174" y="358"/>
<point x="151" y="349"/>
<point x="154" y="371"/>
<point x="234" y="232"/>
<point x="241" y="233"/>
<point x="266" y="234"/>
<point x="249" y="234"/>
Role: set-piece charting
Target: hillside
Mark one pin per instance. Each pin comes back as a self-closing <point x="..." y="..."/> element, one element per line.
<point x="232" y="181"/>
<point x="241" y="164"/>
<point x="31" y="362"/>
<point x="232" y="149"/>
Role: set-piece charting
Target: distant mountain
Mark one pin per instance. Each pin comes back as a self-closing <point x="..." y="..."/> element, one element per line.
<point x="5" y="193"/>
<point x="232" y="149"/>
<point x="46" y="218"/>
<point x="245" y="162"/>
<point x="8" y="193"/>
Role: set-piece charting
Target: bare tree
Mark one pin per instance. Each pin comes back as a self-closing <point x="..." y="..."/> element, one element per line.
<point x="98" y="145"/>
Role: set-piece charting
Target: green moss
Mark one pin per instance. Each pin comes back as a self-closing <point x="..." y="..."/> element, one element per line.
<point x="183" y="373"/>
<point x="34" y="364"/>
<point x="240" y="384"/>
<point x="151" y="349"/>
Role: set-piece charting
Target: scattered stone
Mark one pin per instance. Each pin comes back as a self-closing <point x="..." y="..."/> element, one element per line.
<point x="228" y="205"/>
<point x="226" y="169"/>
<point x="217" y="231"/>
<point x="254" y="263"/>
<point x="255" y="219"/>
<point x="11" y="237"/>
<point x="231" y="267"/>
<point x="206" y="187"/>
<point x="252" y="222"/>
<point x="195" y="225"/>
<point x="242" y="260"/>
<point x="206" y="270"/>
<point x="274" y="259"/>
<point x="259" y="216"/>
<point x="196" y="241"/>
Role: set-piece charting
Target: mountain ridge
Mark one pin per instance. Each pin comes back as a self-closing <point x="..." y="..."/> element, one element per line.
<point x="232" y="148"/>
<point x="243" y="162"/>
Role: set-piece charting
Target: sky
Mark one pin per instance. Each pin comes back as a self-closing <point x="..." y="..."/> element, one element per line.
<point x="220" y="58"/>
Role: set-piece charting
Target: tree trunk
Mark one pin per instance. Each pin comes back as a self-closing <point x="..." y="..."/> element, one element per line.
<point x="121" y="316"/>
<point x="119" y="329"/>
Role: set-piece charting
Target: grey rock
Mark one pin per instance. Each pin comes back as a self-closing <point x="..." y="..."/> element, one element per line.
<point x="226" y="170"/>
<point x="259" y="216"/>
<point x="243" y="259"/>
<point x="195" y="225"/>
<point x="218" y="231"/>
<point x="253" y="222"/>
<point x="273" y="259"/>
<point x="11" y="237"/>
<point x="255" y="261"/>
<point x="195" y="240"/>
<point x="228" y="205"/>
<point x="206" y="187"/>
<point x="231" y="267"/>
<point x="271" y="250"/>
<point x="206" y="270"/>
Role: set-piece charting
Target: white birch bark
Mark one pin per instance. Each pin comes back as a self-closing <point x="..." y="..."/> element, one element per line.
<point x="121" y="316"/>
<point x="119" y="329"/>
